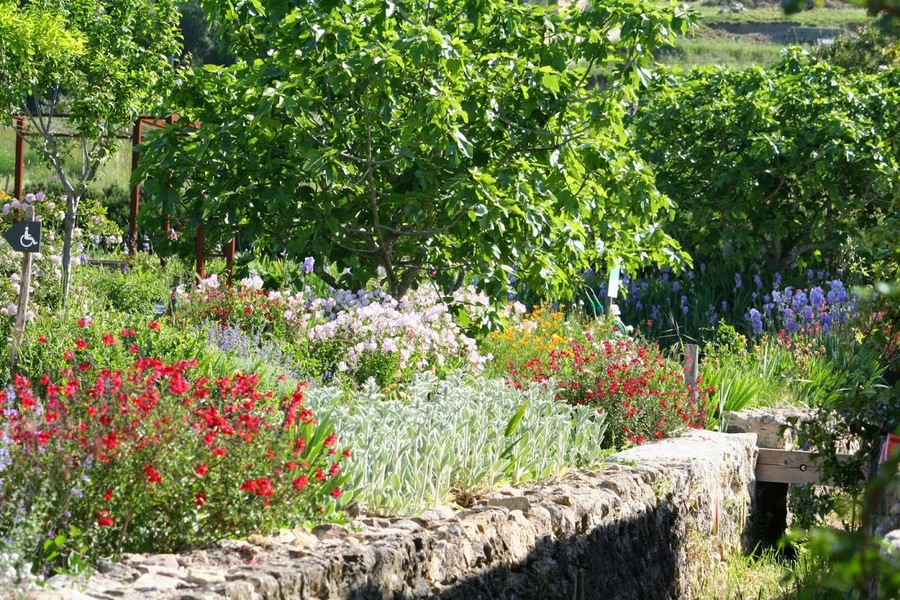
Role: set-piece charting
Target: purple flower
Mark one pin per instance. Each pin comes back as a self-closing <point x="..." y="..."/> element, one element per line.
<point x="724" y="305"/>
<point x="756" y="321"/>
<point x="6" y="208"/>
<point x="777" y="279"/>
<point x="738" y="284"/>
<point x="685" y="309"/>
<point x="817" y="297"/>
<point x="308" y="264"/>
<point x="676" y="286"/>
<point x="757" y="281"/>
<point x="702" y="266"/>
<point x="810" y="274"/>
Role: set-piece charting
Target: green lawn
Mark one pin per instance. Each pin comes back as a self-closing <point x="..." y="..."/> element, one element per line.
<point x="115" y="173"/>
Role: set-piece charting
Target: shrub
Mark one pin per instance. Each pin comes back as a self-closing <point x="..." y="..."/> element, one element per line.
<point x="150" y="458"/>
<point x="347" y="336"/>
<point x="640" y="394"/>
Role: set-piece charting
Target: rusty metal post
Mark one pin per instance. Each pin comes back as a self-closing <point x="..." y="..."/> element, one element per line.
<point x="201" y="242"/>
<point x="20" y="157"/>
<point x="136" y="135"/>
<point x="229" y="257"/>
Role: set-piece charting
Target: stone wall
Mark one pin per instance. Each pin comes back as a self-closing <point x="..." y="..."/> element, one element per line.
<point x="650" y="525"/>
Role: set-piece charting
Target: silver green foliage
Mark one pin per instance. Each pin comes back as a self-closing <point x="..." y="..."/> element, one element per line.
<point x="463" y="435"/>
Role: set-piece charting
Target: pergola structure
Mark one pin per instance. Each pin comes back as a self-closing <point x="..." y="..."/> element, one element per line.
<point x="135" y="203"/>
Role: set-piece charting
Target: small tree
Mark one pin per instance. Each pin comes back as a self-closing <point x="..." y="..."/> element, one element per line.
<point x="774" y="164"/>
<point x="454" y="138"/>
<point x="103" y="63"/>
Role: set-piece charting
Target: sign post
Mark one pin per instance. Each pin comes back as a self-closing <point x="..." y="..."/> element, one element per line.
<point x="25" y="237"/>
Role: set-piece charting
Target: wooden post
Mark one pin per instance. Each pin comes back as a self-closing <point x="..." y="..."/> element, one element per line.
<point x="692" y="369"/>
<point x="24" y="291"/>
<point x="20" y="157"/>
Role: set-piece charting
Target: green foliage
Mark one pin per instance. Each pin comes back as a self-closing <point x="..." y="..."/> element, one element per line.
<point x="451" y="140"/>
<point x="781" y="164"/>
<point x="873" y="48"/>
<point x="451" y="439"/>
<point x="858" y="400"/>
<point x="860" y="563"/>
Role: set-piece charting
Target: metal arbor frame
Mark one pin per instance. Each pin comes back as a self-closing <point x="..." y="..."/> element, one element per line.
<point x="135" y="200"/>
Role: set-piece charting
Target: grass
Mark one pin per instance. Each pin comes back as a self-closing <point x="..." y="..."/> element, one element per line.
<point x="762" y="576"/>
<point x="711" y="43"/>
<point x="692" y="52"/>
<point x="37" y="174"/>
<point x="824" y="17"/>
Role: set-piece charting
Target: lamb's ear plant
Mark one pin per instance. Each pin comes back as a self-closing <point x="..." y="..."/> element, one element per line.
<point x="453" y="439"/>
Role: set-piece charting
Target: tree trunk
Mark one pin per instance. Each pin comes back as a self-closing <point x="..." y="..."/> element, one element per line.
<point x="73" y="197"/>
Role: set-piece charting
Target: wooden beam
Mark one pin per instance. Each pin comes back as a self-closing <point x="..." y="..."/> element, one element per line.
<point x="790" y="466"/>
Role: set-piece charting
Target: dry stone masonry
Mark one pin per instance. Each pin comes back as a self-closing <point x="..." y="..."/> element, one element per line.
<point x="649" y="525"/>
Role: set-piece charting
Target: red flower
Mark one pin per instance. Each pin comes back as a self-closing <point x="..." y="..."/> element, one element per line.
<point x="347" y="452"/>
<point x="301" y="482"/>
<point x="108" y="339"/>
<point x="108" y="495"/>
<point x="320" y="475"/>
<point x="154" y="325"/>
<point x="68" y="355"/>
<point x="133" y="349"/>
<point x="153" y="475"/>
<point x="104" y="520"/>
<point x="200" y="498"/>
<point x="220" y="452"/>
<point x="81" y="344"/>
<point x="335" y="469"/>
<point x="330" y="441"/>
<point x="336" y="492"/>
<point x="42" y="340"/>
<point x="260" y="487"/>
<point x="201" y="470"/>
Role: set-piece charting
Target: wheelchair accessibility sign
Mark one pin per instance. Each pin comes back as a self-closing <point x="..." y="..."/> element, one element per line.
<point x="24" y="236"/>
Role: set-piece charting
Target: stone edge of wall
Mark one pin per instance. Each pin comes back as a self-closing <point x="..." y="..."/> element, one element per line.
<point x="650" y="524"/>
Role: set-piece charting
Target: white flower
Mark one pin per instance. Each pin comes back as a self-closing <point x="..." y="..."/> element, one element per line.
<point x="254" y="282"/>
<point x="210" y="283"/>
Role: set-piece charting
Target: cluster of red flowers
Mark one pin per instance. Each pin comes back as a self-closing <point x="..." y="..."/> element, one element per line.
<point x="100" y="425"/>
<point x="641" y="395"/>
<point x="247" y="308"/>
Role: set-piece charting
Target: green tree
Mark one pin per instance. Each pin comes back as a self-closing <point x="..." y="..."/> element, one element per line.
<point x="776" y="164"/>
<point x="458" y="138"/>
<point x="103" y="63"/>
